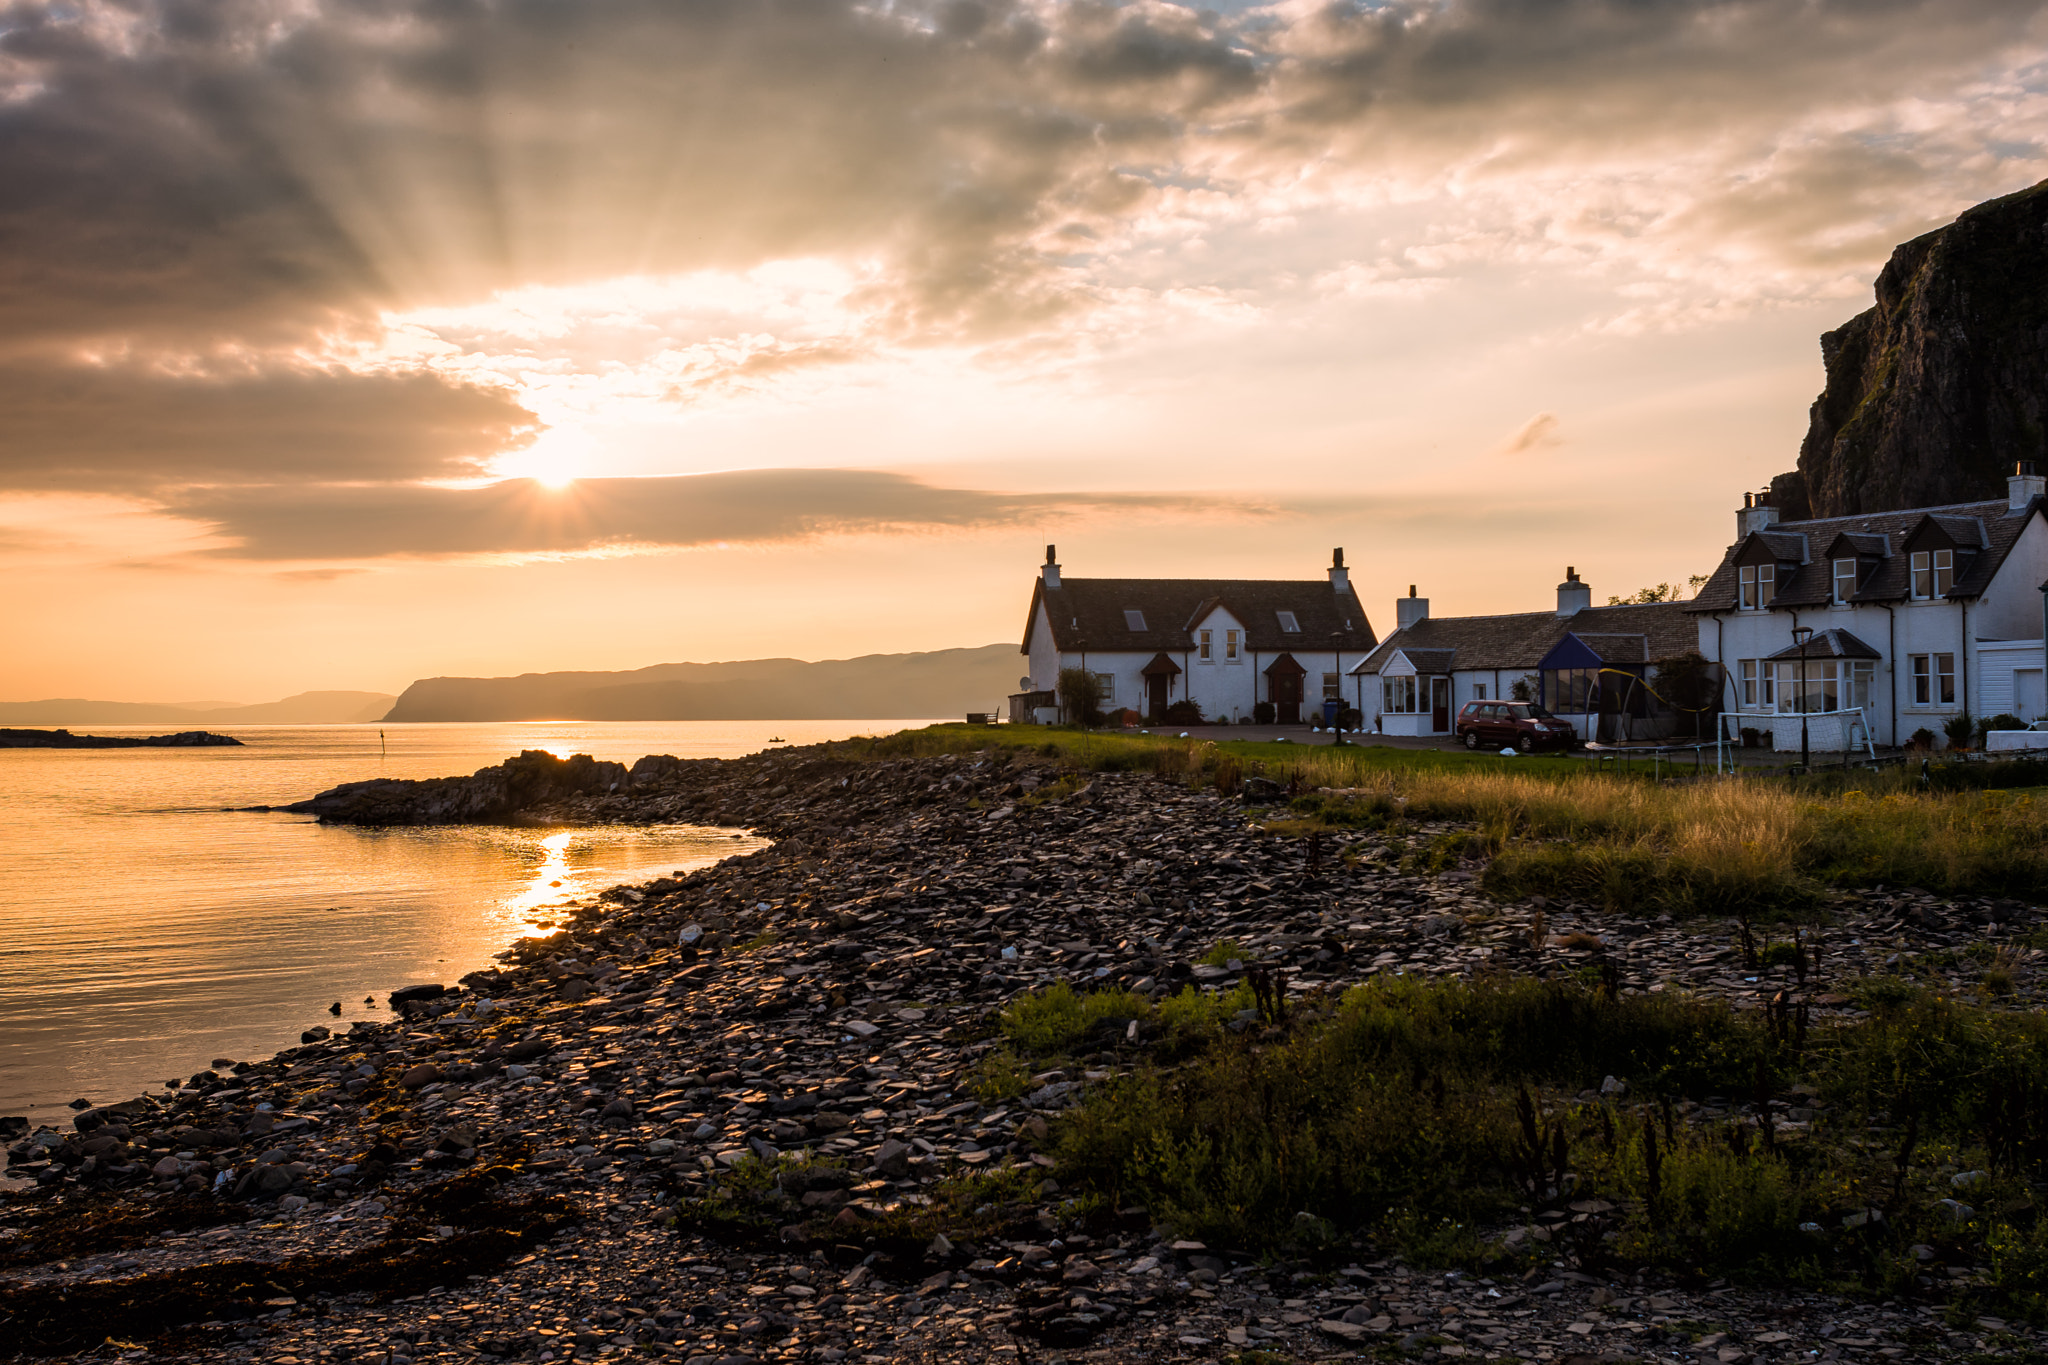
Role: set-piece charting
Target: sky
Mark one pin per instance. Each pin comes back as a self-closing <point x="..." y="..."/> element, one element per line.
<point x="343" y="344"/>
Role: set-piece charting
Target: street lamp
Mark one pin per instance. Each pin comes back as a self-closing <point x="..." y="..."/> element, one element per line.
<point x="1800" y="635"/>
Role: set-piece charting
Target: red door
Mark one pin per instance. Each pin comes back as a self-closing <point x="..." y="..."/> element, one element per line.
<point x="1439" y="704"/>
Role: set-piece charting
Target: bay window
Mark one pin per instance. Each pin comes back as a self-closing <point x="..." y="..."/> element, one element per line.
<point x="1398" y="696"/>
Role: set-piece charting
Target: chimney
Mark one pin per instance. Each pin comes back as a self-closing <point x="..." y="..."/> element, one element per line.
<point x="1410" y="609"/>
<point x="1756" y="514"/>
<point x="1051" y="572"/>
<point x="1573" y="596"/>
<point x="2024" y="486"/>
<point x="1340" y="577"/>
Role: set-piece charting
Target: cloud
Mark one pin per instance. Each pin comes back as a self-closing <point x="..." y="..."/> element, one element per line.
<point x="268" y="184"/>
<point x="1539" y="431"/>
<point x="524" y="517"/>
<point x="132" y="429"/>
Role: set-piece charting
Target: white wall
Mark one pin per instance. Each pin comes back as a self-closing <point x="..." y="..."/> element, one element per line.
<point x="1908" y="628"/>
<point x="2011" y="607"/>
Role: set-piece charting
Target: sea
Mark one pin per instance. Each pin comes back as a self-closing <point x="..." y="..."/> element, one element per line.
<point x="150" y="928"/>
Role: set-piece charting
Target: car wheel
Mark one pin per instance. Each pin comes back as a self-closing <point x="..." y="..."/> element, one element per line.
<point x="1527" y="743"/>
<point x="1471" y="739"/>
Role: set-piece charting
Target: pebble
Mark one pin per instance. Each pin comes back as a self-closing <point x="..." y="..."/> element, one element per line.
<point x="670" y="1028"/>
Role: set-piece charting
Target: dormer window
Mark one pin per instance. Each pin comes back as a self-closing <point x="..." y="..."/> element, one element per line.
<point x="1934" y="573"/>
<point x="1759" y="585"/>
<point x="1845" y="580"/>
<point x="1134" y="620"/>
<point x="1287" y="622"/>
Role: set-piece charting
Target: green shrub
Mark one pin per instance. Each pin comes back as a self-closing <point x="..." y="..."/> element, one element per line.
<point x="1048" y="1023"/>
<point x="1226" y="951"/>
<point x="2019" y="1269"/>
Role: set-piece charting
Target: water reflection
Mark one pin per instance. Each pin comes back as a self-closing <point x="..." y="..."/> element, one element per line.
<point x="149" y="923"/>
<point x="554" y="882"/>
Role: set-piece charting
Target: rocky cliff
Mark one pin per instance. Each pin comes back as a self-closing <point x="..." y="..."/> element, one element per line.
<point x="1935" y="392"/>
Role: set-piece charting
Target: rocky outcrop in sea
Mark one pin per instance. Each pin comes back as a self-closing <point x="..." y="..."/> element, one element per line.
<point x="64" y="739"/>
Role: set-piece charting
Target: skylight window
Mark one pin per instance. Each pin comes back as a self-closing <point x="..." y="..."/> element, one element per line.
<point x="1135" y="620"/>
<point x="1288" y="623"/>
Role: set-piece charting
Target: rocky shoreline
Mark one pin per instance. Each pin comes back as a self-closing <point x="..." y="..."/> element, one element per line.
<point x="64" y="739"/>
<point x="511" y="1167"/>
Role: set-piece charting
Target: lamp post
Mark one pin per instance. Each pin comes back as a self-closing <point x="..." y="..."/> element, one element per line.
<point x="1800" y="635"/>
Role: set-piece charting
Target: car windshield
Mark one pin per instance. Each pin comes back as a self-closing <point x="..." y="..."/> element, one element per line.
<point x="1528" y="711"/>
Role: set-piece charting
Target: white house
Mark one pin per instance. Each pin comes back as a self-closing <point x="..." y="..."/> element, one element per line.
<point x="1225" y="644"/>
<point x="1915" y="616"/>
<point x="1592" y="666"/>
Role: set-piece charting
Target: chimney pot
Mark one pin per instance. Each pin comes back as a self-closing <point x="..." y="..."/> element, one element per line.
<point x="1573" y="596"/>
<point x="1340" y="577"/>
<point x="1049" y="573"/>
<point x="1756" y="514"/>
<point x="2024" y="486"/>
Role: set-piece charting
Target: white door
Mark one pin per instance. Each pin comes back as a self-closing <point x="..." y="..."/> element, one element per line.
<point x="2030" y="699"/>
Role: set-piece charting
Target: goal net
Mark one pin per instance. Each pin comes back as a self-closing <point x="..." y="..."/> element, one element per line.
<point x="1827" y="732"/>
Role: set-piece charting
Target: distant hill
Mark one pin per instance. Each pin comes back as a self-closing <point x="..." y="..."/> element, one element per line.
<point x="946" y="682"/>
<point x="307" y="708"/>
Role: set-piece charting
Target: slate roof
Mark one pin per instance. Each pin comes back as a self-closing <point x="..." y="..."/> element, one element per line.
<point x="1631" y="634"/>
<point x="1088" y="613"/>
<point x="1990" y="526"/>
<point x="1829" y="644"/>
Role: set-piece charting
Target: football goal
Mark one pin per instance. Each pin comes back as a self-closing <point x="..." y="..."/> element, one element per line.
<point x="1827" y="732"/>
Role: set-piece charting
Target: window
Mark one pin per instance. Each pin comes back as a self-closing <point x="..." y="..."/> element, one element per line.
<point x="1399" y="696"/>
<point x="1759" y="585"/>
<point x="1748" y="670"/>
<point x="1134" y="620"/>
<point x="1230" y="646"/>
<point x="1288" y="623"/>
<point x="1831" y="685"/>
<point x="1821" y="692"/>
<point x="1934" y="573"/>
<point x="1106" y="684"/>
<point x="1845" y="579"/>
<point x="1479" y="691"/>
<point x="1934" y="679"/>
<point x="1575" y="691"/>
<point x="1204" y="655"/>
<point x="1333" y="686"/>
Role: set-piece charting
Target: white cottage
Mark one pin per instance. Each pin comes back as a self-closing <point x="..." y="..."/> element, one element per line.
<point x="1228" y="645"/>
<point x="1592" y="666"/>
<point x="1914" y="616"/>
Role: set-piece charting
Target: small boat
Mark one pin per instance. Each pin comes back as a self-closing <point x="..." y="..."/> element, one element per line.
<point x="777" y="739"/>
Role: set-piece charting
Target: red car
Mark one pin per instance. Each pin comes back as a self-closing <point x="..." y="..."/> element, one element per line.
<point x="1520" y="725"/>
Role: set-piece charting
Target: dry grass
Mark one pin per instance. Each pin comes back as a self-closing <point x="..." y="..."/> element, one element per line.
<point x="1758" y="843"/>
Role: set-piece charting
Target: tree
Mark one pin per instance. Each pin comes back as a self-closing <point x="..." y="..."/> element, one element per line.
<point x="1688" y="683"/>
<point x="1080" y="696"/>
<point x="1658" y="592"/>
